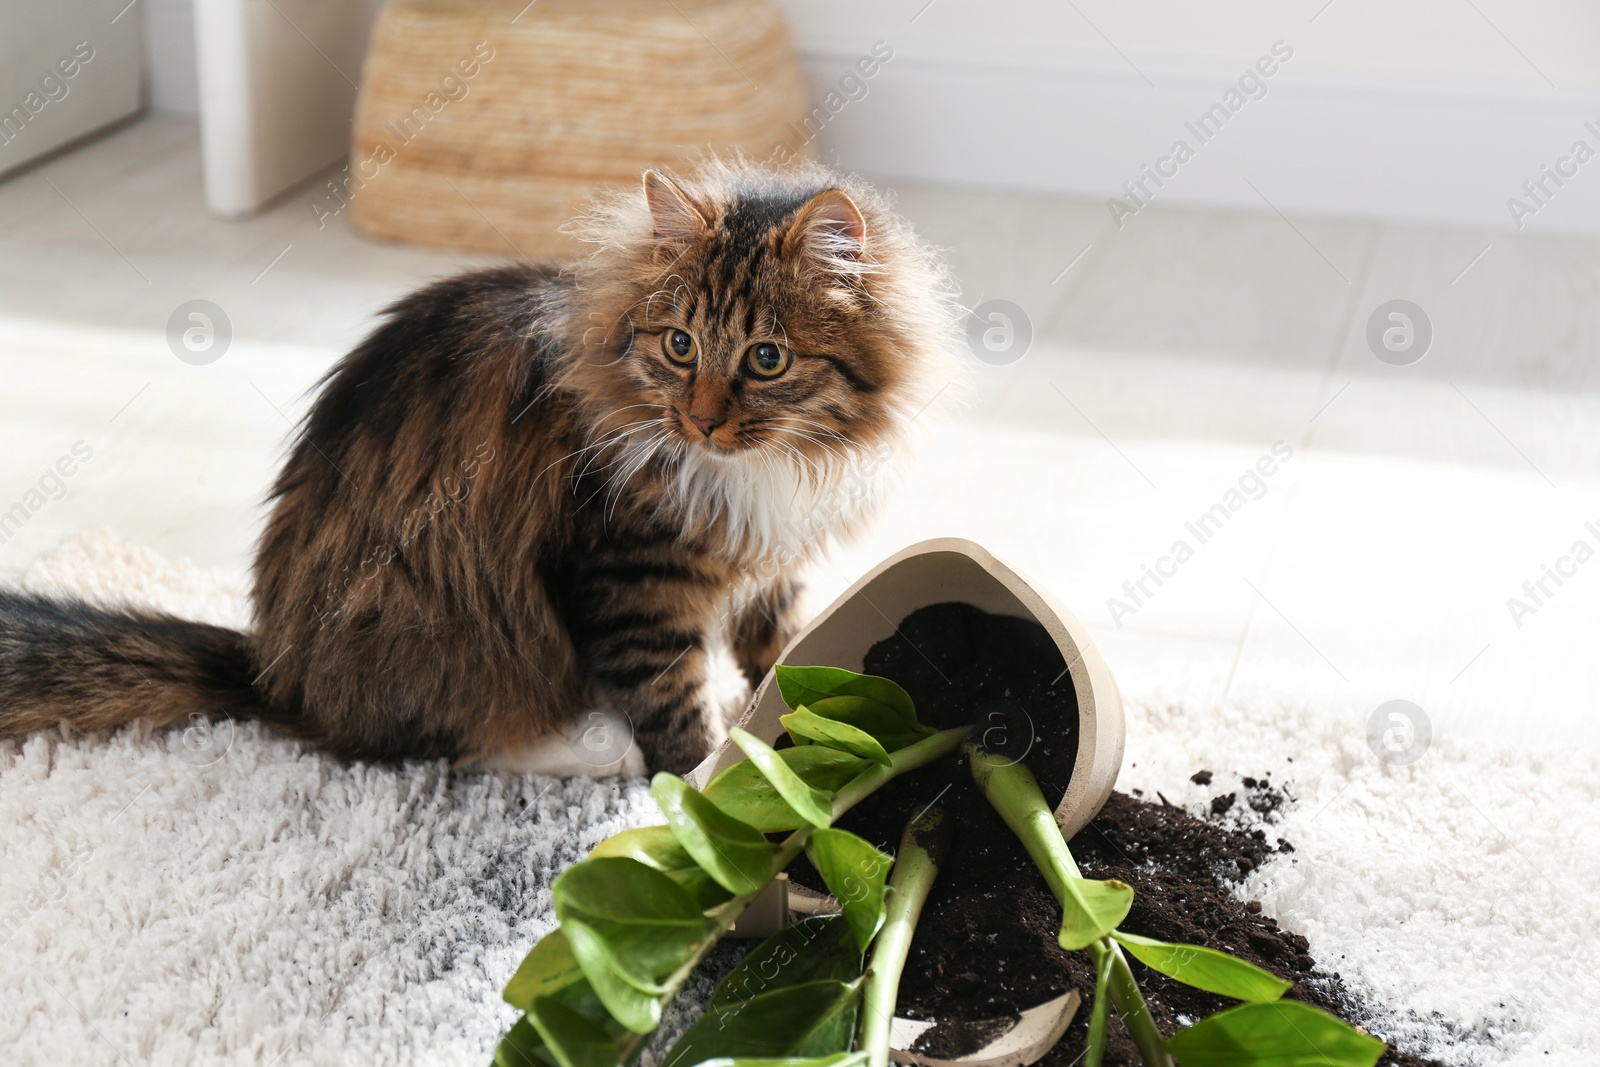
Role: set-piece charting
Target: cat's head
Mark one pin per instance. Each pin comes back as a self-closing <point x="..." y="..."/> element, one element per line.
<point x="746" y="321"/>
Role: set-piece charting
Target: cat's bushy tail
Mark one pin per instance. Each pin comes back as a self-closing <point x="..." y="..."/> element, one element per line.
<point x="92" y="668"/>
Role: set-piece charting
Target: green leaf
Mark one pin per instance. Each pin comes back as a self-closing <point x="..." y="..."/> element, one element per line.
<point x="656" y="847"/>
<point x="1094" y="1047"/>
<point x="647" y="922"/>
<point x="639" y="1009"/>
<point x="523" y="1047"/>
<point x="549" y="967"/>
<point x="1277" y="1034"/>
<point x="843" y="1059"/>
<point x="855" y="873"/>
<point x="733" y="852"/>
<point x="812" y="1019"/>
<point x="744" y="792"/>
<point x="803" y="685"/>
<point x="1092" y="910"/>
<point x="815" y="948"/>
<point x="573" y="1040"/>
<point x="807" y="727"/>
<point x="873" y="718"/>
<point x="1205" y="968"/>
<point x="811" y="804"/>
<point x="646" y="917"/>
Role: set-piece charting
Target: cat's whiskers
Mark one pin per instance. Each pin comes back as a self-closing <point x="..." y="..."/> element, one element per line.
<point x="626" y="450"/>
<point x="754" y="434"/>
<point x="778" y="326"/>
<point x="821" y="436"/>
<point x="825" y="469"/>
<point x="608" y="483"/>
<point x="598" y="444"/>
<point x="772" y="496"/>
<point x="648" y="301"/>
<point x="615" y="434"/>
<point x="791" y="450"/>
<point x="816" y="467"/>
<point x="816" y="427"/>
<point x="816" y="439"/>
<point x="618" y="442"/>
<point x="643" y="453"/>
<point x="766" y="461"/>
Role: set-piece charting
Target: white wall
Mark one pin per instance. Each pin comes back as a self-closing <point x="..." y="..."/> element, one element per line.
<point x="1388" y="40"/>
<point x="1421" y="110"/>
<point x="1424" y="110"/>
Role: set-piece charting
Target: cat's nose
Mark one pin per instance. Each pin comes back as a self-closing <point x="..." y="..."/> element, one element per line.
<point x="706" y="426"/>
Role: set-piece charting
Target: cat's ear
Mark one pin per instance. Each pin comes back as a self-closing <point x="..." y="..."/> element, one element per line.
<point x="677" y="222"/>
<point x="829" y="233"/>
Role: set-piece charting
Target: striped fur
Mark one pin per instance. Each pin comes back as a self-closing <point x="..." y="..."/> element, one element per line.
<point x="500" y="511"/>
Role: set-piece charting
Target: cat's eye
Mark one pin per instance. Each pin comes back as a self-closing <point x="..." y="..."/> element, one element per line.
<point x="678" y="346"/>
<point x="767" y="359"/>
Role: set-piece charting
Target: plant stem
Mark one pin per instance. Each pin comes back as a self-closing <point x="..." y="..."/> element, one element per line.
<point x="1015" y="794"/>
<point x="906" y="759"/>
<point x="922" y="848"/>
<point x="1100" y="1013"/>
<point x="863" y="785"/>
<point x="1129" y="1000"/>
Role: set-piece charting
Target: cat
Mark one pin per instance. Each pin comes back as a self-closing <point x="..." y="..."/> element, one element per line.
<point x="530" y="490"/>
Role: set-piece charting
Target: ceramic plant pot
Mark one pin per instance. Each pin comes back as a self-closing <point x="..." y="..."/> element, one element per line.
<point x="933" y="572"/>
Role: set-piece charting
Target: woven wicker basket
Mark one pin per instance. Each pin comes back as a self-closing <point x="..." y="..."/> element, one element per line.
<point x="486" y="124"/>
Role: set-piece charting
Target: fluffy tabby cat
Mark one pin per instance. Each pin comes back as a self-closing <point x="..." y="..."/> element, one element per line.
<point x="529" y="491"/>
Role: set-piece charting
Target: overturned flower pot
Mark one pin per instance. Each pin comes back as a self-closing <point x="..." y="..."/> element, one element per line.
<point x="948" y="613"/>
<point x="942" y="571"/>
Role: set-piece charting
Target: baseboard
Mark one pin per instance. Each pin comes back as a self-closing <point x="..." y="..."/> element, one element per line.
<point x="1317" y="142"/>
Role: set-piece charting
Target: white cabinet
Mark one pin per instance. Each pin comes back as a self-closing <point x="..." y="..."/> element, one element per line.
<point x="67" y="68"/>
<point x="277" y="92"/>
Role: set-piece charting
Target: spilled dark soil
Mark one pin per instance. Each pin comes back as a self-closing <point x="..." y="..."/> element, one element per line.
<point x="986" y="945"/>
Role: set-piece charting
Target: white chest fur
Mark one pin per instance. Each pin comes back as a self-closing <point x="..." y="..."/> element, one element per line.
<point x="778" y="509"/>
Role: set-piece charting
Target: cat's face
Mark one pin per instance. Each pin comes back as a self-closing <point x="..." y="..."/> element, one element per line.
<point x="757" y="333"/>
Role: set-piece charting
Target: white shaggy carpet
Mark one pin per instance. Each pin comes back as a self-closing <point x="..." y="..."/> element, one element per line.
<point x="239" y="900"/>
<point x="1455" y="895"/>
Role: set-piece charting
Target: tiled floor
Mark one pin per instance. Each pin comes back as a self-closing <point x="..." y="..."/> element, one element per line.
<point x="1168" y="357"/>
